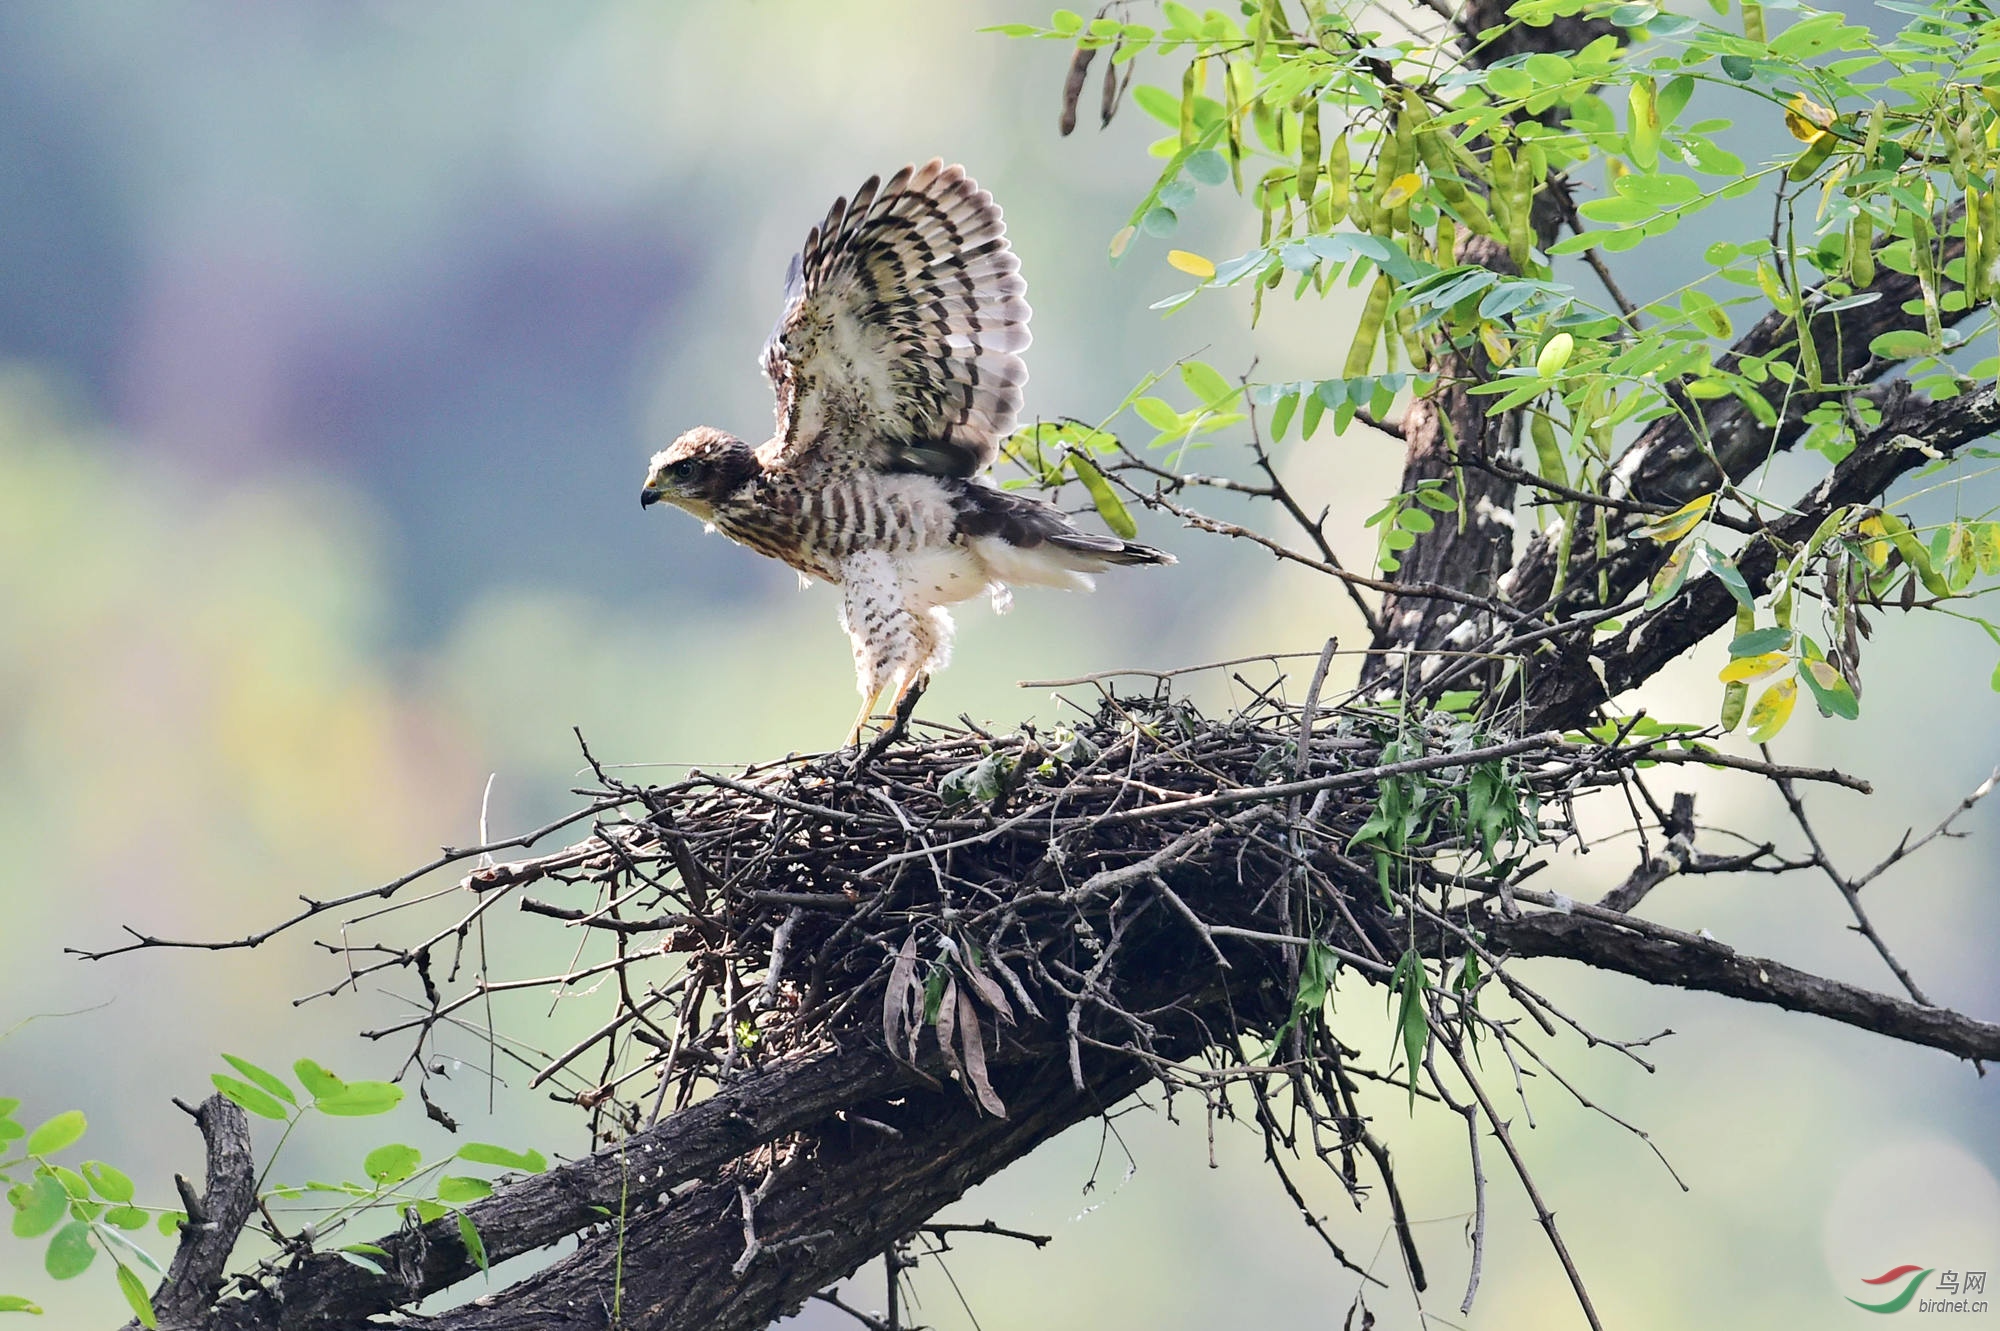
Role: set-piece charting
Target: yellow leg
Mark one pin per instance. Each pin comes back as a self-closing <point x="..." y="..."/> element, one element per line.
<point x="867" y="709"/>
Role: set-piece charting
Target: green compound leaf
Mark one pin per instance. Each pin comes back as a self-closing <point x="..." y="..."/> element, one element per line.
<point x="360" y="1099"/>
<point x="38" y="1206"/>
<point x="270" y="1082"/>
<point x="64" y="1130"/>
<point x="1109" y="506"/>
<point x="474" y="1245"/>
<point x="70" y="1252"/>
<point x="136" y="1297"/>
<point x="316" y="1079"/>
<point x="486" y="1153"/>
<point x="108" y="1183"/>
<point x="391" y="1164"/>
<point x="246" y="1096"/>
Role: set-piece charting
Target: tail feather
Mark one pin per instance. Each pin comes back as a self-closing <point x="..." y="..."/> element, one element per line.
<point x="1109" y="549"/>
<point x="1023" y="539"/>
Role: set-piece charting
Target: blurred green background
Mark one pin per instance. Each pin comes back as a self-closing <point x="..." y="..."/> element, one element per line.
<point x="336" y="336"/>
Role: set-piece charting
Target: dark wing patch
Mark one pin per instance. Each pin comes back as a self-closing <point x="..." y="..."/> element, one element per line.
<point x="1026" y="522"/>
<point x="903" y="318"/>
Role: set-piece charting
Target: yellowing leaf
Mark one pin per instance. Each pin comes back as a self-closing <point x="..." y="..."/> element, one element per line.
<point x="1679" y="522"/>
<point x="1756" y="667"/>
<point x="1823" y="671"/>
<point x="1191" y="263"/>
<point x="1773" y="709"/>
<point x="1121" y="240"/>
<point x="1498" y="349"/>
<point x="1806" y="119"/>
<point x="1875" y="542"/>
<point x="1986" y="546"/>
<point x="1401" y="188"/>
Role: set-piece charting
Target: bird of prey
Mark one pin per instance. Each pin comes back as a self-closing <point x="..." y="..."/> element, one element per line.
<point x="897" y="371"/>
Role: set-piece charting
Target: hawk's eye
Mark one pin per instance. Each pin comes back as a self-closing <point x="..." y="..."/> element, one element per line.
<point x="684" y="469"/>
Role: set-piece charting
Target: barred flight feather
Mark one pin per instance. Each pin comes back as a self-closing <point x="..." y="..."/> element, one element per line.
<point x="898" y="347"/>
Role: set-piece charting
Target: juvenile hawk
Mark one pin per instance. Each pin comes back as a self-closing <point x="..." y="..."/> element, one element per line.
<point x="897" y="374"/>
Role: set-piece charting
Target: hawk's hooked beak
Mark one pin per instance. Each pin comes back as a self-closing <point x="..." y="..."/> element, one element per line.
<point x="648" y="497"/>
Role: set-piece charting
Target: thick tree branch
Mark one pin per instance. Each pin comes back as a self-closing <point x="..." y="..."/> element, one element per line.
<point x="215" y="1219"/>
<point x="1673" y="462"/>
<point x="1912" y="433"/>
<point x="326" y="1290"/>
<point x="1686" y="961"/>
<point x="834" y="1196"/>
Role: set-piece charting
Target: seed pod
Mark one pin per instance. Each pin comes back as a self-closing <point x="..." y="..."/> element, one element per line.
<point x="1362" y="353"/>
<point x="1989" y="236"/>
<point x="1308" y="150"/>
<point x="1413" y="341"/>
<point x="1520" y="204"/>
<point x="1500" y="171"/>
<point x="1813" y="157"/>
<point x="1738" y="691"/>
<point x="1406" y="164"/>
<point x="1387" y="164"/>
<point x="1974" y="246"/>
<point x="1753" y="21"/>
<point x="1079" y="69"/>
<point x="1361" y="208"/>
<point x="1437" y="160"/>
<point x="1735" y="695"/>
<point x="1339" y="178"/>
<point x="1548" y="453"/>
<point x="1809" y="357"/>
<point x="1445" y="252"/>
<point x="1861" y="249"/>
<point x="1874" y="141"/>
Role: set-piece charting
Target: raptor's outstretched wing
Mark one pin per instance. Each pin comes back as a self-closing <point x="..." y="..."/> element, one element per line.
<point x="903" y="317"/>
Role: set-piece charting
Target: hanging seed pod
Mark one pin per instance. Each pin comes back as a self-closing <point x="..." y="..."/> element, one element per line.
<point x="1072" y="93"/>
<point x="1808" y="353"/>
<point x="1861" y="249"/>
<point x="1413" y="341"/>
<point x="1548" y="453"/>
<point x="1500" y="172"/>
<point x="1520" y="187"/>
<point x="1361" y="354"/>
<point x="1445" y="252"/>
<point x="1441" y="155"/>
<point x="1339" y="178"/>
<point x="1753" y="21"/>
<point x="1873" y="144"/>
<point x="1322" y="215"/>
<point x="1989" y="238"/>
<point x="1406" y="166"/>
<point x="1308" y="149"/>
<point x="1974" y="247"/>
<point x="1361" y="208"/>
